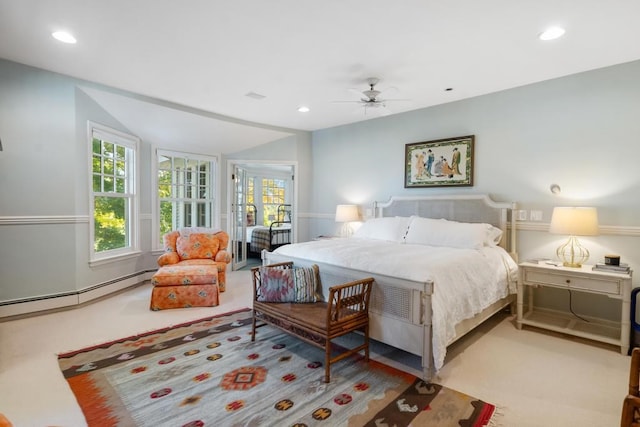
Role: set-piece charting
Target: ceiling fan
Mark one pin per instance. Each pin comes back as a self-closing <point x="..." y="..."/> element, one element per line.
<point x="370" y="98"/>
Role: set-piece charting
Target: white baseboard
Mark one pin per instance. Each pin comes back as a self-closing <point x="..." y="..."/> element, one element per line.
<point x="68" y="300"/>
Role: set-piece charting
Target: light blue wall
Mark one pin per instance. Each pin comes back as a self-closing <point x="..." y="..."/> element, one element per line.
<point x="581" y="132"/>
<point x="44" y="191"/>
<point x="44" y="207"/>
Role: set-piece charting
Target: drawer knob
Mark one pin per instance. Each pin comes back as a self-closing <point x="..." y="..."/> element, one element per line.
<point x="568" y="281"/>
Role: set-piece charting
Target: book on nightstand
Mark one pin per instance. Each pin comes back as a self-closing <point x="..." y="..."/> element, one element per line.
<point x="622" y="268"/>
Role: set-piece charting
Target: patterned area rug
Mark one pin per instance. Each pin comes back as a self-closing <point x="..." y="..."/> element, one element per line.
<point x="209" y="373"/>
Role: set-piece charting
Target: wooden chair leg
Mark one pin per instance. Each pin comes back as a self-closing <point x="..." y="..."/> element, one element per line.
<point x="327" y="361"/>
<point x="253" y="327"/>
<point x="366" y="342"/>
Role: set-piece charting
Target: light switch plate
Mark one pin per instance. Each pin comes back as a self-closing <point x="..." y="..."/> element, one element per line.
<point x="536" y="215"/>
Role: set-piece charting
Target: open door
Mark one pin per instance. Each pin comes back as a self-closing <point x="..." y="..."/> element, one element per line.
<point x="264" y="188"/>
<point x="238" y="218"/>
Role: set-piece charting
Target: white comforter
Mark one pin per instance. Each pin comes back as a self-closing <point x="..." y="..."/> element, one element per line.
<point x="466" y="281"/>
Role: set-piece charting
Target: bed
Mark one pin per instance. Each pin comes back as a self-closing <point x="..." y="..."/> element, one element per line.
<point x="261" y="238"/>
<point x="464" y="248"/>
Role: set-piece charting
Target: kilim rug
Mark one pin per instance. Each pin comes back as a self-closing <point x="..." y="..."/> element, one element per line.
<point x="209" y="373"/>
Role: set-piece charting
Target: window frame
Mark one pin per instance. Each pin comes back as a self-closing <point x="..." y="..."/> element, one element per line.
<point x="214" y="186"/>
<point x="132" y="143"/>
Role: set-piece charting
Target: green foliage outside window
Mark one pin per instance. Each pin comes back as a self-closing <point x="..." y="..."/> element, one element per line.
<point x="110" y="223"/>
<point x="109" y="165"/>
<point x="166" y="207"/>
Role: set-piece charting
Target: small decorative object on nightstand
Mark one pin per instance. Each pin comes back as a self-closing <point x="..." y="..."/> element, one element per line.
<point x="612" y="259"/>
<point x="585" y="279"/>
<point x="620" y="267"/>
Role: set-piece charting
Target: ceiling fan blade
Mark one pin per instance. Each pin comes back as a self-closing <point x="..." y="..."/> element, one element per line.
<point x="396" y="99"/>
<point x="346" y="102"/>
<point x="377" y="109"/>
<point x="389" y="89"/>
<point x="384" y="111"/>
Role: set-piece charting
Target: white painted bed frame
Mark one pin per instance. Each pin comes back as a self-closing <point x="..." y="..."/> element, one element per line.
<point x="400" y="311"/>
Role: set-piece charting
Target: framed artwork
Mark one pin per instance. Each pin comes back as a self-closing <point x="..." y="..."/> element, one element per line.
<point x="439" y="163"/>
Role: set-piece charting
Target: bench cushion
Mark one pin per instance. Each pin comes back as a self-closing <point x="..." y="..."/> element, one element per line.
<point x="313" y="316"/>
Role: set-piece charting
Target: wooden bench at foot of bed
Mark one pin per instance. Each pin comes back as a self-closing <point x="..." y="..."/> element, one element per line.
<point x="318" y="323"/>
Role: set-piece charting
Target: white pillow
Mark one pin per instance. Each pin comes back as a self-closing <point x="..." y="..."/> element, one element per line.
<point x="441" y="232"/>
<point x="388" y="228"/>
<point x="494" y="235"/>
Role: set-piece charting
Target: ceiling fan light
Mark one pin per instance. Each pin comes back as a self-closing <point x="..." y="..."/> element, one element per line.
<point x="371" y="94"/>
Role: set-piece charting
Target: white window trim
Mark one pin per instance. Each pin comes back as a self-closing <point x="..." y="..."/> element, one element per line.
<point x="112" y="135"/>
<point x="156" y="246"/>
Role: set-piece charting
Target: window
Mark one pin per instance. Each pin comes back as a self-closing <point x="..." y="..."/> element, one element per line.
<point x="114" y="195"/>
<point x="186" y="196"/>
<point x="266" y="194"/>
<point x="273" y="194"/>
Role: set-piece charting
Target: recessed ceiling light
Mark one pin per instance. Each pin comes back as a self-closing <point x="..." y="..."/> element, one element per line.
<point x="64" y="37"/>
<point x="303" y="109"/>
<point x="551" y="33"/>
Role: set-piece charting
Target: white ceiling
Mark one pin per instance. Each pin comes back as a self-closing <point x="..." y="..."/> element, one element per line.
<point x="201" y="57"/>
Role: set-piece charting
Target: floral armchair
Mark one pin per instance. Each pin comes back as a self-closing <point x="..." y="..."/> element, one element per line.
<point x="192" y="269"/>
<point x="197" y="246"/>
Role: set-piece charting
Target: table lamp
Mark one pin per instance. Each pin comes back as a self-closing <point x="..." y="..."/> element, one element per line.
<point x="574" y="221"/>
<point x="346" y="214"/>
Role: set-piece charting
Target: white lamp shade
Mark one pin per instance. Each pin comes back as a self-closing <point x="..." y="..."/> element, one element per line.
<point x="347" y="213"/>
<point x="574" y="221"/>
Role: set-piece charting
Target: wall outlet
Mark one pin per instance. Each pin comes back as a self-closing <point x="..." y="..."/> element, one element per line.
<point x="521" y="215"/>
<point x="536" y="216"/>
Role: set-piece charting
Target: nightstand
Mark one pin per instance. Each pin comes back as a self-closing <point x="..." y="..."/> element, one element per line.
<point x="584" y="279"/>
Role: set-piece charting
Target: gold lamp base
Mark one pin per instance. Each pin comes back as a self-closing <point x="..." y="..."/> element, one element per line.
<point x="572" y="253"/>
<point x="573" y="265"/>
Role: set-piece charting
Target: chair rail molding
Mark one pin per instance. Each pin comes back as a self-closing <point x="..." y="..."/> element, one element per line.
<point x="609" y="230"/>
<point x="43" y="219"/>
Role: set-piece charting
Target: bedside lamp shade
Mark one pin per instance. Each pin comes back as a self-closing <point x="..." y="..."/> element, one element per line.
<point x="574" y="221"/>
<point x="347" y="214"/>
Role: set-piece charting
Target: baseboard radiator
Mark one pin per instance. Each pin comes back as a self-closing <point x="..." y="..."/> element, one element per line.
<point x="36" y="305"/>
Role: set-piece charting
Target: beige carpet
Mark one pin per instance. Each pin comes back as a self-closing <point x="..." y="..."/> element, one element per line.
<point x="537" y="378"/>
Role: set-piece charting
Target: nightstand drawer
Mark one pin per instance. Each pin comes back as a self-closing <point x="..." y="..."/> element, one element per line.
<point x="603" y="286"/>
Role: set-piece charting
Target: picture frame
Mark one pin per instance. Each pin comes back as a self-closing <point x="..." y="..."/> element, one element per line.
<point x="439" y="163"/>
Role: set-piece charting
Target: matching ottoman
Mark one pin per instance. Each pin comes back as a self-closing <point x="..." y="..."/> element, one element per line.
<point x="183" y="286"/>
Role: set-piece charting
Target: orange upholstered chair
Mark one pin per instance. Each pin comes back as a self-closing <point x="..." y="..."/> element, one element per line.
<point x="192" y="269"/>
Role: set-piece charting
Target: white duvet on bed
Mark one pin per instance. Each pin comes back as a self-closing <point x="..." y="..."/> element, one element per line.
<point x="466" y="281"/>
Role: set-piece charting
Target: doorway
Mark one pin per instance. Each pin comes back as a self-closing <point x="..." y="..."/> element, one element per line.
<point x="262" y="208"/>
